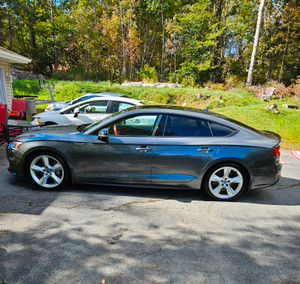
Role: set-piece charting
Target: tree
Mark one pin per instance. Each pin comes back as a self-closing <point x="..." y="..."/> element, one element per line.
<point x="255" y="45"/>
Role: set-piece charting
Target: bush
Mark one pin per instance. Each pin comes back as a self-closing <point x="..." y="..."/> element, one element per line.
<point x="189" y="81"/>
<point x="215" y="86"/>
<point x="148" y="74"/>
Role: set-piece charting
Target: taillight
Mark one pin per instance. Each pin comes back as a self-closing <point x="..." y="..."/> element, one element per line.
<point x="276" y="151"/>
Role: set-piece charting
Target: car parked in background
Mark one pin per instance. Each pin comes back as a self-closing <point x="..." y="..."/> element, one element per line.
<point x="149" y="146"/>
<point x="64" y="104"/>
<point x="86" y="111"/>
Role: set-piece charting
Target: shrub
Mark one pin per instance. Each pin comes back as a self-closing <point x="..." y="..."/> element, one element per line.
<point x="215" y="86"/>
<point x="148" y="74"/>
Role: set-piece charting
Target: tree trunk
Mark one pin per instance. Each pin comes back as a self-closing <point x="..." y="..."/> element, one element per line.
<point x="284" y="55"/>
<point x="255" y="45"/>
<point x="162" y="43"/>
<point x="9" y="29"/>
<point x="123" y="44"/>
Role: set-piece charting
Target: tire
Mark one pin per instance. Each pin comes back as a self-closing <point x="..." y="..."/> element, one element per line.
<point x="48" y="123"/>
<point x="47" y="171"/>
<point x="225" y="182"/>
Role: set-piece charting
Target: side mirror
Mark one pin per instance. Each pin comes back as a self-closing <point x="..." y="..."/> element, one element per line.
<point x="76" y="111"/>
<point x="103" y="135"/>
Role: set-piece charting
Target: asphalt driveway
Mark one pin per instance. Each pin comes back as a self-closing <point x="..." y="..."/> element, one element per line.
<point x="94" y="234"/>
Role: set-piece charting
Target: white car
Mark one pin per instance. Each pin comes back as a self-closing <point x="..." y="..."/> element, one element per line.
<point x="62" y="104"/>
<point x="84" y="112"/>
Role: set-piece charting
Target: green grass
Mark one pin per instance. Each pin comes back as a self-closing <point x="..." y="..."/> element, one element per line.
<point x="239" y="104"/>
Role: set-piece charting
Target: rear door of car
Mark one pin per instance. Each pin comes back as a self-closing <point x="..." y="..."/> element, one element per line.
<point x="182" y="151"/>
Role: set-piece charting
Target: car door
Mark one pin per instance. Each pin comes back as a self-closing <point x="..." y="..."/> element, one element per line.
<point x="182" y="152"/>
<point x="89" y="112"/>
<point x="127" y="154"/>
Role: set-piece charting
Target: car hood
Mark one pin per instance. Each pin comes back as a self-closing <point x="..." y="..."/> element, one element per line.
<point x="57" y="132"/>
<point x="47" y="113"/>
<point x="57" y="106"/>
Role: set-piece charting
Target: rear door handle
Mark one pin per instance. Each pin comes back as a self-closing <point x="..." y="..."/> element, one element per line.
<point x="205" y="150"/>
<point x="143" y="149"/>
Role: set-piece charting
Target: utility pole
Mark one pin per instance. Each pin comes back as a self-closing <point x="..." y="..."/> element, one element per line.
<point x="255" y="45"/>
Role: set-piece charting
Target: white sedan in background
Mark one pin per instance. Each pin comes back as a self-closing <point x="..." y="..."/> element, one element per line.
<point x="63" y="104"/>
<point x="87" y="111"/>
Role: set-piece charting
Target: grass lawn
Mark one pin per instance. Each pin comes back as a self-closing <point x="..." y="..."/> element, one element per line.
<point x="241" y="105"/>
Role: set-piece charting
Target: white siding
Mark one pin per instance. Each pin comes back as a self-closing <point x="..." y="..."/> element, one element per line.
<point x="8" y="85"/>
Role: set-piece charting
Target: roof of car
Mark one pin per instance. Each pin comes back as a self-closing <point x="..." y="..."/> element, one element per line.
<point x="119" y="99"/>
<point x="206" y="113"/>
<point x="111" y="94"/>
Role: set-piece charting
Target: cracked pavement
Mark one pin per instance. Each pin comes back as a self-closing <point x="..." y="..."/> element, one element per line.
<point x="96" y="234"/>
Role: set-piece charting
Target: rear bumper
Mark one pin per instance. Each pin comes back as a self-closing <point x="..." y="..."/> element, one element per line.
<point x="267" y="177"/>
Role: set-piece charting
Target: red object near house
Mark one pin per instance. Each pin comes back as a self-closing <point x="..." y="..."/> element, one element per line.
<point x="18" y="105"/>
<point x="3" y="123"/>
<point x="3" y="115"/>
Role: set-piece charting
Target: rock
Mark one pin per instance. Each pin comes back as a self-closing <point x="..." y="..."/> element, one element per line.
<point x="273" y="107"/>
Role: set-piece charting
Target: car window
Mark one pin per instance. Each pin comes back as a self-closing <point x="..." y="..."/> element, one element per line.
<point x="138" y="125"/>
<point x="91" y="107"/>
<point x="118" y="106"/>
<point x="178" y="125"/>
<point x="220" y="130"/>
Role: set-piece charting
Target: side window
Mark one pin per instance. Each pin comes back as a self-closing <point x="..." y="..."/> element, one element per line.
<point x="139" y="125"/>
<point x="220" y="130"/>
<point x="118" y="106"/>
<point x="185" y="126"/>
<point x="93" y="107"/>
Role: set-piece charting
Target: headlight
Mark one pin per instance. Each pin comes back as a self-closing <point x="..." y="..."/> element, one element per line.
<point x="36" y="121"/>
<point x="15" y="145"/>
<point x="49" y="108"/>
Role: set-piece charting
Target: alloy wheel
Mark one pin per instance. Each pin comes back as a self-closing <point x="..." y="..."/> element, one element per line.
<point x="47" y="171"/>
<point x="225" y="182"/>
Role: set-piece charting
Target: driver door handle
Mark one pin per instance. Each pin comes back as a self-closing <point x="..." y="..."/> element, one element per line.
<point x="205" y="150"/>
<point x="143" y="149"/>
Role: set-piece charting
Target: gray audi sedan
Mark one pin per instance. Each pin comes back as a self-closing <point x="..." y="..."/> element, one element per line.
<point x="151" y="146"/>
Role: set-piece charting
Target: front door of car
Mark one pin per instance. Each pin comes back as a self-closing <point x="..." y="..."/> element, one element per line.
<point x="182" y="152"/>
<point x="126" y="156"/>
<point x="87" y="112"/>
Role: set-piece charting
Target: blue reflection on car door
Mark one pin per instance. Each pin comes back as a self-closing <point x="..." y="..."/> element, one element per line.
<point x="180" y="160"/>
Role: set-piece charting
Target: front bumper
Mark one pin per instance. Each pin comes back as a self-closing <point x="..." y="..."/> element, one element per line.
<point x="15" y="161"/>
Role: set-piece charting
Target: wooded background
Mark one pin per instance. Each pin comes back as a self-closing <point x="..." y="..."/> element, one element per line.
<point x="190" y="42"/>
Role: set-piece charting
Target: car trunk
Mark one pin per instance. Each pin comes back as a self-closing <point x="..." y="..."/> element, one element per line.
<point x="272" y="135"/>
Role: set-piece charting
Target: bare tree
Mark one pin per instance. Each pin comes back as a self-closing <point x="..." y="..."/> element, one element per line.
<point x="255" y="45"/>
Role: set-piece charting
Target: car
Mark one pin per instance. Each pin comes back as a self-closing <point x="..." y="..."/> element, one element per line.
<point x="63" y="104"/>
<point x="151" y="146"/>
<point x="85" y="112"/>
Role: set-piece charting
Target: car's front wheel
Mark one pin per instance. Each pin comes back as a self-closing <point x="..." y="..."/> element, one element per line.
<point x="225" y="182"/>
<point x="47" y="171"/>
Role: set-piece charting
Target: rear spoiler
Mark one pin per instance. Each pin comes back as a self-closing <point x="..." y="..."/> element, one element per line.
<point x="272" y="135"/>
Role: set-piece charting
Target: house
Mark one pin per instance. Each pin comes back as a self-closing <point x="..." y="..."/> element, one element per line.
<point x="6" y="58"/>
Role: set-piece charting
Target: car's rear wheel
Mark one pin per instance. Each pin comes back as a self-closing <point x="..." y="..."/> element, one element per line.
<point x="47" y="171"/>
<point x="225" y="182"/>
